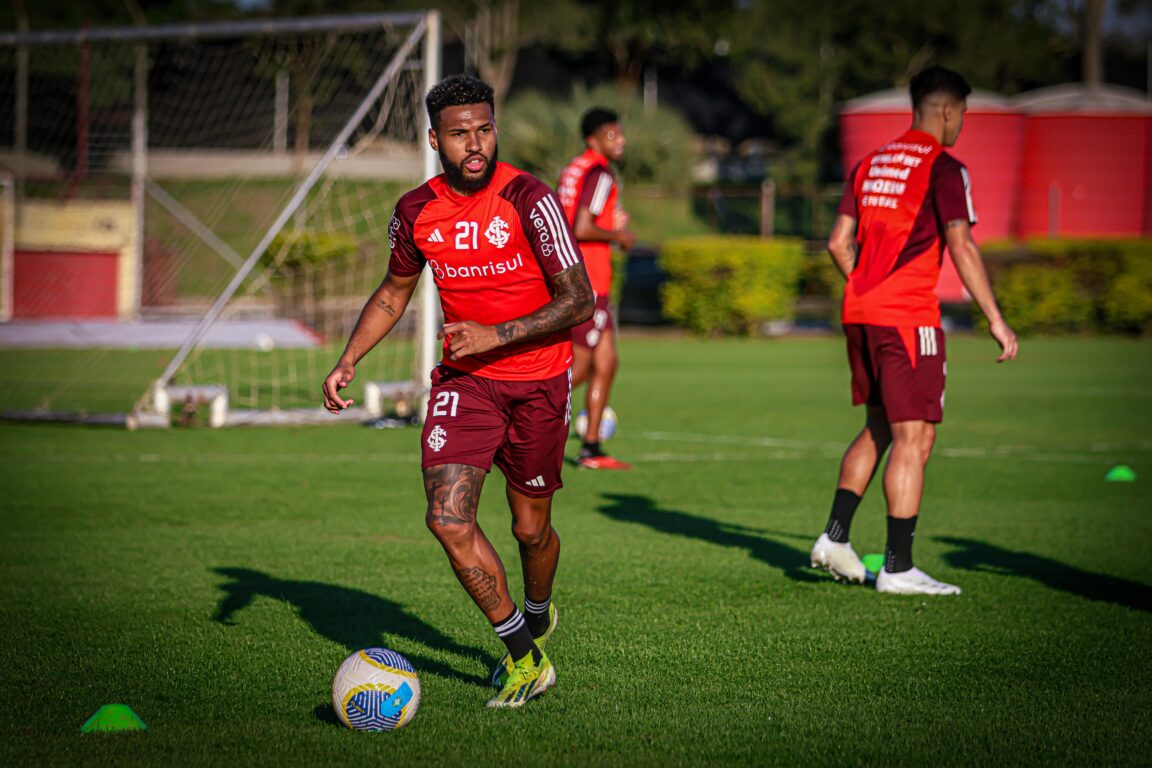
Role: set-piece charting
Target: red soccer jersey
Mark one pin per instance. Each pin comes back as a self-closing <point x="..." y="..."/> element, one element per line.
<point x="491" y="254"/>
<point x="588" y="182"/>
<point x="902" y="195"/>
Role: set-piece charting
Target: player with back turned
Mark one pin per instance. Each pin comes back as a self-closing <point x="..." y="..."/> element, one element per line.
<point x="512" y="285"/>
<point x="902" y="204"/>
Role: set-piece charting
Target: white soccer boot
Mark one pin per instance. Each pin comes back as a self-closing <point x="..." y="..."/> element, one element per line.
<point x="840" y="560"/>
<point x="913" y="582"/>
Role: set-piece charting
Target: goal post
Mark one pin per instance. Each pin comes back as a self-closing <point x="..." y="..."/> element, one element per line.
<point x="260" y="161"/>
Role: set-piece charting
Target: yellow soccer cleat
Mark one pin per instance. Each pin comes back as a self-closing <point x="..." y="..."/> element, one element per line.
<point x="504" y="666"/>
<point x="525" y="681"/>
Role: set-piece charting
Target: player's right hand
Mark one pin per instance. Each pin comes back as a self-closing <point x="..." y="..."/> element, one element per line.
<point x="625" y="238"/>
<point x="1006" y="338"/>
<point x="340" y="377"/>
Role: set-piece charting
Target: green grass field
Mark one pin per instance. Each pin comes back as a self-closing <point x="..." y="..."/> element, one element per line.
<point x="214" y="581"/>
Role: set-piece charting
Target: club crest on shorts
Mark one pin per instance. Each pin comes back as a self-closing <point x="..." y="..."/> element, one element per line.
<point x="437" y="438"/>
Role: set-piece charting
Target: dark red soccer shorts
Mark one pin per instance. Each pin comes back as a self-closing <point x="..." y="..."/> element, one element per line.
<point x="521" y="426"/>
<point x="589" y="332"/>
<point x="899" y="369"/>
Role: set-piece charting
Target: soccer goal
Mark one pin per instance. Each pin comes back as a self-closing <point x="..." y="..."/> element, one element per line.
<point x="215" y="196"/>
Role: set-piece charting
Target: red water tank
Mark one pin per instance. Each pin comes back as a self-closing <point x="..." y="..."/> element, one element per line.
<point x="991" y="145"/>
<point x="1086" y="162"/>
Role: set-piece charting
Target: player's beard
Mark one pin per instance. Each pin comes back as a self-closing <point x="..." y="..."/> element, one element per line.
<point x="461" y="183"/>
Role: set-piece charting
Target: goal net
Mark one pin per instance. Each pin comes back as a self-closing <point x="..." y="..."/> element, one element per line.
<point x="200" y="213"/>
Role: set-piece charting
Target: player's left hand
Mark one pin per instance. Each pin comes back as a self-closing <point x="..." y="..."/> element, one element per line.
<point x="1006" y="338"/>
<point x="468" y="338"/>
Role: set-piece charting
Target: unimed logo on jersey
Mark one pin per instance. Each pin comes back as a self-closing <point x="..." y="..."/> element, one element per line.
<point x="448" y="272"/>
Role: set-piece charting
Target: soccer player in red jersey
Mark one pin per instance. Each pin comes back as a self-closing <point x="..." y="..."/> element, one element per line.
<point x="512" y="285"/>
<point x="590" y="195"/>
<point x="902" y="204"/>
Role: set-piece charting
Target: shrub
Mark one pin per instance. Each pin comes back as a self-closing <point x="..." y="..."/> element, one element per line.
<point x="1113" y="277"/>
<point x="1042" y="299"/>
<point x="297" y="249"/>
<point x="733" y="284"/>
<point x="1128" y="303"/>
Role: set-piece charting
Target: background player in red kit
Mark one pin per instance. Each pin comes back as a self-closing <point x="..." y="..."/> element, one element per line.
<point x="901" y="205"/>
<point x="590" y="196"/>
<point x="512" y="285"/>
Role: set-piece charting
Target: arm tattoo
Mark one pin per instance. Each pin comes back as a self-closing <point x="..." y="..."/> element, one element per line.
<point x="453" y="492"/>
<point x="386" y="307"/>
<point x="481" y="586"/>
<point x="572" y="304"/>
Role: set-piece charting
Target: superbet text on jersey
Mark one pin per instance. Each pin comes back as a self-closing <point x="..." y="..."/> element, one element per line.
<point x="491" y="254"/>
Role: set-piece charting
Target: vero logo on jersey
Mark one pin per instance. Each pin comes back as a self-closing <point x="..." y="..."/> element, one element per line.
<point x="436" y="237"/>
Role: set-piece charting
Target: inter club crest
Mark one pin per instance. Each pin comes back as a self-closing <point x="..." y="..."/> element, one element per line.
<point x="438" y="438"/>
<point x="497" y="232"/>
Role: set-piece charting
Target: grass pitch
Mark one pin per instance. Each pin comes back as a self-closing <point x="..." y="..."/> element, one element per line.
<point x="214" y="580"/>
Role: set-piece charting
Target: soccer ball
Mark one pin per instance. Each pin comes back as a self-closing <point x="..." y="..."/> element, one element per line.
<point x="376" y="690"/>
<point x="607" y="423"/>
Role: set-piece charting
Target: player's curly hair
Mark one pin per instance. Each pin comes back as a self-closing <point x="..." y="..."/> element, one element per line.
<point x="457" y="91"/>
<point x="596" y="117"/>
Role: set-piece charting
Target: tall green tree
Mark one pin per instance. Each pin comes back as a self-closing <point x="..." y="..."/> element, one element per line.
<point x="635" y="34"/>
<point x="798" y="59"/>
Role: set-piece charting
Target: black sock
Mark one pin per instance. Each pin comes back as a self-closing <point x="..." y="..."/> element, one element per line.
<point x="840" y="521"/>
<point x="591" y="448"/>
<point x="536" y="615"/>
<point x="514" y="632"/>
<point x="898" y="555"/>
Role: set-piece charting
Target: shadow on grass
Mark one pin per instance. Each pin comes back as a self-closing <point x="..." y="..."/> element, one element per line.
<point x="976" y="555"/>
<point x="350" y="617"/>
<point x="631" y="508"/>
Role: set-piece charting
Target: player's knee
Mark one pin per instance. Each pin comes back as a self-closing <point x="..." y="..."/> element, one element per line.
<point x="449" y="528"/>
<point x="533" y="534"/>
<point x="917" y="442"/>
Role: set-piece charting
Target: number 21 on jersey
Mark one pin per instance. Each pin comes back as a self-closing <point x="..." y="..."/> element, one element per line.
<point x="466" y="235"/>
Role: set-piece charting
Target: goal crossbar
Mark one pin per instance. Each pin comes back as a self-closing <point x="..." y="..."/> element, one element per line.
<point x="212" y="30"/>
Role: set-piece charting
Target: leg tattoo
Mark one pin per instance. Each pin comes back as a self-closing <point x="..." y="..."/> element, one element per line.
<point x="453" y="492"/>
<point x="481" y="586"/>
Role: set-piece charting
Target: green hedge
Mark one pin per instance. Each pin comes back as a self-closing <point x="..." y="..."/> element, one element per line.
<point x="730" y="285"/>
<point x="1053" y="286"/>
<point x="302" y="248"/>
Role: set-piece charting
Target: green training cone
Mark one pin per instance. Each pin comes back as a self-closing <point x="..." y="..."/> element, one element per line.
<point x="114" y="717"/>
<point x="873" y="563"/>
<point x="1121" y="473"/>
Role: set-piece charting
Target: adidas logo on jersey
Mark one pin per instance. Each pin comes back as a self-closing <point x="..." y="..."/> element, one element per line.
<point x="536" y="482"/>
<point x="436" y="237"/>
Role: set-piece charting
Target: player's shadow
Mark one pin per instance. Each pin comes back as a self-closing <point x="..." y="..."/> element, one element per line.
<point x="352" y="618"/>
<point x="974" y="555"/>
<point x="630" y="508"/>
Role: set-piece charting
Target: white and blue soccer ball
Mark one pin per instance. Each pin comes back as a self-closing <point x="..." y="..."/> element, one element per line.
<point x="608" y="424"/>
<point x="376" y="689"/>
